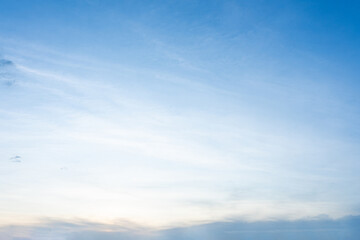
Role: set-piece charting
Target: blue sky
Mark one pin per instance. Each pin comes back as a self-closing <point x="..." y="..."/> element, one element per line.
<point x="178" y="113"/>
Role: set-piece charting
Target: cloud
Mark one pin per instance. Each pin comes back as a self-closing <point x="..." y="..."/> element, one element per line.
<point x="322" y="228"/>
<point x="7" y="72"/>
<point x="16" y="158"/>
<point x="75" y="229"/>
<point x="5" y="62"/>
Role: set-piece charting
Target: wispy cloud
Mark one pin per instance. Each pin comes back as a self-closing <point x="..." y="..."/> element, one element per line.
<point x="168" y="114"/>
<point x="219" y="160"/>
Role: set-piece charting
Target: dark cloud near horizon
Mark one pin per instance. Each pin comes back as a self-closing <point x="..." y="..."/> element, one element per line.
<point x="313" y="229"/>
<point x="7" y="72"/>
<point x="322" y="228"/>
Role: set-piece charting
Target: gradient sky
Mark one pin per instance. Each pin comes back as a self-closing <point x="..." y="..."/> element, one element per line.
<point x="173" y="113"/>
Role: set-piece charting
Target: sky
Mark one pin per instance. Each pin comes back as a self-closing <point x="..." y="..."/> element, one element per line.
<point x="167" y="116"/>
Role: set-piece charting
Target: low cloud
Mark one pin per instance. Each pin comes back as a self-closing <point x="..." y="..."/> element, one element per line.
<point x="311" y="229"/>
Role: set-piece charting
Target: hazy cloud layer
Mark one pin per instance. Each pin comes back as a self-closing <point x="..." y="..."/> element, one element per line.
<point x="311" y="229"/>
